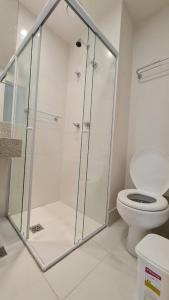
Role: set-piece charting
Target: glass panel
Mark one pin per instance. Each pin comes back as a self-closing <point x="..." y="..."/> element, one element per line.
<point x="96" y="139"/>
<point x="8" y="95"/>
<point x="30" y="133"/>
<point x="99" y="141"/>
<point x="19" y="132"/>
<point x="85" y="137"/>
<point x="58" y="135"/>
<point x="8" y="23"/>
<point x="2" y="92"/>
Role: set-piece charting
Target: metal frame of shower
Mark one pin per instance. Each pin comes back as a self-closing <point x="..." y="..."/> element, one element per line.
<point x="43" y="16"/>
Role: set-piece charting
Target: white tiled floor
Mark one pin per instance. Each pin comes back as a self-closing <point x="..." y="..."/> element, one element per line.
<point x="100" y="269"/>
<point x="58" y="221"/>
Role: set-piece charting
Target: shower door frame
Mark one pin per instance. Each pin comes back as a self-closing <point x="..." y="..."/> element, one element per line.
<point x="43" y="16"/>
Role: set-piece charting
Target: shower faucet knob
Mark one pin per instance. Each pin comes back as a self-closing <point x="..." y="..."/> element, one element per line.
<point x="77" y="125"/>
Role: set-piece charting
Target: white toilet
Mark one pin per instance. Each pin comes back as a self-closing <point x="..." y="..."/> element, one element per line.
<point x="144" y="208"/>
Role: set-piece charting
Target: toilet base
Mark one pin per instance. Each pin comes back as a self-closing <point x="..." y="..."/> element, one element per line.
<point x="135" y="235"/>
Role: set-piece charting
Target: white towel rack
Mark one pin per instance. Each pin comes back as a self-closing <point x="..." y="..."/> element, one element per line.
<point x="155" y="69"/>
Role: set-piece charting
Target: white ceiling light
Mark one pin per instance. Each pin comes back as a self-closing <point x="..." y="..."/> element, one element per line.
<point x="23" y="33"/>
<point x="109" y="54"/>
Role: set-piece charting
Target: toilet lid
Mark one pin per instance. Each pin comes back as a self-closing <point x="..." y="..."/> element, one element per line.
<point x="149" y="171"/>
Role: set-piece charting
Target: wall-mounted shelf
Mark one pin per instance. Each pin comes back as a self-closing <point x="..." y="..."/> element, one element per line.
<point x="153" y="70"/>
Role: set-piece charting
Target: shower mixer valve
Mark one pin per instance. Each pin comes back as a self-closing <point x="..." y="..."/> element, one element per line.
<point x="76" y="124"/>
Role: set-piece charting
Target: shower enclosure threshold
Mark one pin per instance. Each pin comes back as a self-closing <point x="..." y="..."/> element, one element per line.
<point x="55" y="241"/>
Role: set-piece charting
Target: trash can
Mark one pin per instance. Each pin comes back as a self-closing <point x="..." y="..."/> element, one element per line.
<point x="153" y="268"/>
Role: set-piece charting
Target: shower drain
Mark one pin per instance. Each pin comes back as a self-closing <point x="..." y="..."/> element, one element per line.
<point x="36" y="228"/>
<point x="2" y="252"/>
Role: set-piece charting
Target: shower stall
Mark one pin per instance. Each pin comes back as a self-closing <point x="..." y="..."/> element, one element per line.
<point x="59" y="100"/>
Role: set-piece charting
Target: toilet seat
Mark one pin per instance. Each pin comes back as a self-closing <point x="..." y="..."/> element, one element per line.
<point x="149" y="171"/>
<point x="159" y="204"/>
<point x="144" y="208"/>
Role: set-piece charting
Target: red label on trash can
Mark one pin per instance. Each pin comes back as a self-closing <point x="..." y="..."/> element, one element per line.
<point x="152" y="281"/>
<point x="152" y="273"/>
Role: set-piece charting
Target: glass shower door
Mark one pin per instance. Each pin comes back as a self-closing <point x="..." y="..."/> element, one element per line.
<point x="22" y="129"/>
<point x="84" y="137"/>
<point x="19" y="131"/>
<point x="31" y="119"/>
<point x="8" y="95"/>
<point x="99" y="141"/>
<point x="96" y="139"/>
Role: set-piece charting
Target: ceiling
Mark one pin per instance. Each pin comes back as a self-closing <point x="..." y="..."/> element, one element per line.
<point x="139" y="10"/>
<point x="68" y="29"/>
<point x="64" y="22"/>
<point x="142" y="9"/>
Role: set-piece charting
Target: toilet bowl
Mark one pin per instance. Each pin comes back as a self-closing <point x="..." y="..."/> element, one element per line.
<point x="144" y="208"/>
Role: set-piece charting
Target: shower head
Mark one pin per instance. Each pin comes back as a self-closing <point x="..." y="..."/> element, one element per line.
<point x="80" y="42"/>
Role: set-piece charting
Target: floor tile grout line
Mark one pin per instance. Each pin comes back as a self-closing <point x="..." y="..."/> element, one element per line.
<point x="84" y="278"/>
<point x="88" y="273"/>
<point x="42" y="275"/>
<point x="20" y="243"/>
<point x="111" y="252"/>
<point x="103" y="247"/>
<point x="40" y="272"/>
<point x="51" y="288"/>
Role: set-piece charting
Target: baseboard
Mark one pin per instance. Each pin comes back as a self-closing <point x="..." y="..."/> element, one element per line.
<point x="113" y="216"/>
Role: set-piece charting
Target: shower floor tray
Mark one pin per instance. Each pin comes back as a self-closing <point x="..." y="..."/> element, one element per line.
<point x="57" y="237"/>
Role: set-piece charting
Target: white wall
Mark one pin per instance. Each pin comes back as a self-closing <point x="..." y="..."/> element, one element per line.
<point x="121" y="111"/>
<point x="73" y="113"/>
<point x="50" y="102"/>
<point x="8" y="30"/>
<point x="149" y="103"/>
<point x="25" y="22"/>
<point x="110" y="23"/>
<point x="49" y="133"/>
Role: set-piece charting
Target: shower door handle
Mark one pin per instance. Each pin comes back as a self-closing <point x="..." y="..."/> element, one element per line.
<point x="29" y="128"/>
<point x="87" y="124"/>
<point x="86" y="127"/>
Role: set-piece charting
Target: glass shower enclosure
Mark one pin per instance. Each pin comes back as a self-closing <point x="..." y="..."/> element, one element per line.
<point x="61" y="107"/>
